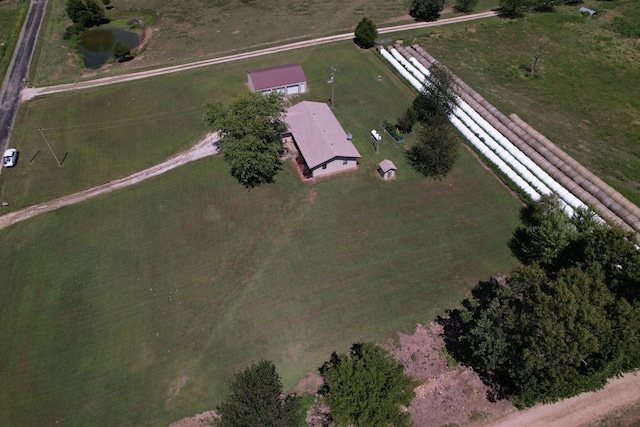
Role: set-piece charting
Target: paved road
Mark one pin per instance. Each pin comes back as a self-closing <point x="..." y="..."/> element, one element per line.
<point x="29" y="93"/>
<point x="19" y="68"/>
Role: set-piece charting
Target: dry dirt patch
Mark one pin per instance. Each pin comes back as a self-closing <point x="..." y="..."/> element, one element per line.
<point x="448" y="393"/>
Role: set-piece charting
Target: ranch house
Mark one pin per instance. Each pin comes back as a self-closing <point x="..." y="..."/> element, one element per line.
<point x="320" y="139"/>
<point x="288" y="79"/>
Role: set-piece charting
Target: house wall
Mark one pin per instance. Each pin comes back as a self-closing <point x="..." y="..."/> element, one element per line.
<point x="336" y="165"/>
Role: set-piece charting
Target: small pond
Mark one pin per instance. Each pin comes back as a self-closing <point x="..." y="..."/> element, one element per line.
<point x="97" y="45"/>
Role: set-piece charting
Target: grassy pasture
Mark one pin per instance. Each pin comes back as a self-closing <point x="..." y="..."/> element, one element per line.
<point x="189" y="275"/>
<point x="111" y="132"/>
<point x="110" y="304"/>
<point x="586" y="97"/>
<point x="187" y="30"/>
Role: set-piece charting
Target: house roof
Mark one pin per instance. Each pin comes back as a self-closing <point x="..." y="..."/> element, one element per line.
<point x="318" y="133"/>
<point x="278" y="76"/>
<point x="387" y="165"/>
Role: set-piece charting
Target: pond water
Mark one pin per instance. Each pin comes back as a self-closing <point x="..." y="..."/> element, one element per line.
<point x="97" y="45"/>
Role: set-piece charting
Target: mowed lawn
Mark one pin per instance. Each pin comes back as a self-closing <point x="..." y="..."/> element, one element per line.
<point x="135" y="307"/>
<point x="108" y="133"/>
<point x="107" y="305"/>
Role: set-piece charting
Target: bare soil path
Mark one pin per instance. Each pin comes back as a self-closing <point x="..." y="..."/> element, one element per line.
<point x="203" y="148"/>
<point x="579" y="410"/>
<point x="29" y="93"/>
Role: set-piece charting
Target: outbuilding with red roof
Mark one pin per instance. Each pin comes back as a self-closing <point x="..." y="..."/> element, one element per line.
<point x="288" y="79"/>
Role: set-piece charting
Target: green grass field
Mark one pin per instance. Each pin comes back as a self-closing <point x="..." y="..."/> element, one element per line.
<point x="111" y="132"/>
<point x="111" y="302"/>
<point x="188" y="30"/>
<point x="585" y="100"/>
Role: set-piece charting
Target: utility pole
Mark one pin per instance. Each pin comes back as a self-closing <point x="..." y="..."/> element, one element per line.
<point x="54" y="154"/>
<point x="17" y="142"/>
<point x="333" y="84"/>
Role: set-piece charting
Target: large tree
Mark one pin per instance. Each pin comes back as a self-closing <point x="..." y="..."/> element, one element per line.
<point x="426" y="10"/>
<point x="438" y="97"/>
<point x="256" y="399"/>
<point x="567" y="320"/>
<point x="435" y="152"/>
<point x="87" y="13"/>
<point x="367" y="387"/>
<point x="465" y="5"/>
<point x="366" y="33"/>
<point x="250" y="128"/>
<point x="120" y="50"/>
<point x="545" y="338"/>
<point x="514" y="8"/>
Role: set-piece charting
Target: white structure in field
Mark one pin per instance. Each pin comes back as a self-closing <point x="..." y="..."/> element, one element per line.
<point x="387" y="169"/>
<point x="320" y="139"/>
<point x="287" y="79"/>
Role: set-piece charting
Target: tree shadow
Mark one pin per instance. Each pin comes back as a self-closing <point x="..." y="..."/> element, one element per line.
<point x="455" y="328"/>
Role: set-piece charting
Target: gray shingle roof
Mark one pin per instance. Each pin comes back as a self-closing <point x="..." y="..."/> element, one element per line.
<point x="386" y="165"/>
<point x="318" y="133"/>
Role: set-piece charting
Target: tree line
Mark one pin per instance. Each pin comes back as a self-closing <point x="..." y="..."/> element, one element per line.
<point x="363" y="387"/>
<point x="562" y="323"/>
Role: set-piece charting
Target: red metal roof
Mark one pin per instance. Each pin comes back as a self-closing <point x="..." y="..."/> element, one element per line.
<point x="278" y="76"/>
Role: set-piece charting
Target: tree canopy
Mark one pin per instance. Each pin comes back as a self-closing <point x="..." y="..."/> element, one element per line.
<point x="366" y="33"/>
<point x="367" y="387"/>
<point x="564" y="322"/>
<point x="426" y="10"/>
<point x="85" y="12"/>
<point x="437" y="99"/>
<point x="465" y="5"/>
<point x="436" y="150"/>
<point x="513" y="8"/>
<point x="256" y="399"/>
<point x="120" y="50"/>
<point x="250" y="128"/>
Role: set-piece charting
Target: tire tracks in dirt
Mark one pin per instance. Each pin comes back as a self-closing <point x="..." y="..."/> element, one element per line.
<point x="203" y="148"/>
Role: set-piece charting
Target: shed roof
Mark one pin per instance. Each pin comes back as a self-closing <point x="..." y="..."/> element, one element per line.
<point x="318" y="133"/>
<point x="280" y="75"/>
<point x="386" y="166"/>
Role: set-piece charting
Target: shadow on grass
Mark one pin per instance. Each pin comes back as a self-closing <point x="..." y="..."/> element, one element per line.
<point x="455" y="328"/>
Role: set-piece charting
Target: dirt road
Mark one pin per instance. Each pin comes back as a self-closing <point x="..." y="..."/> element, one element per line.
<point x="30" y="93"/>
<point x="203" y="148"/>
<point x="579" y="410"/>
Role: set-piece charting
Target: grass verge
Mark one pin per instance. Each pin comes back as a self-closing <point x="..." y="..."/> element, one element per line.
<point x="12" y="17"/>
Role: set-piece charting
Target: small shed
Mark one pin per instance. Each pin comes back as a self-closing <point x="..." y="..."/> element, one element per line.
<point x="287" y="79"/>
<point x="387" y="169"/>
